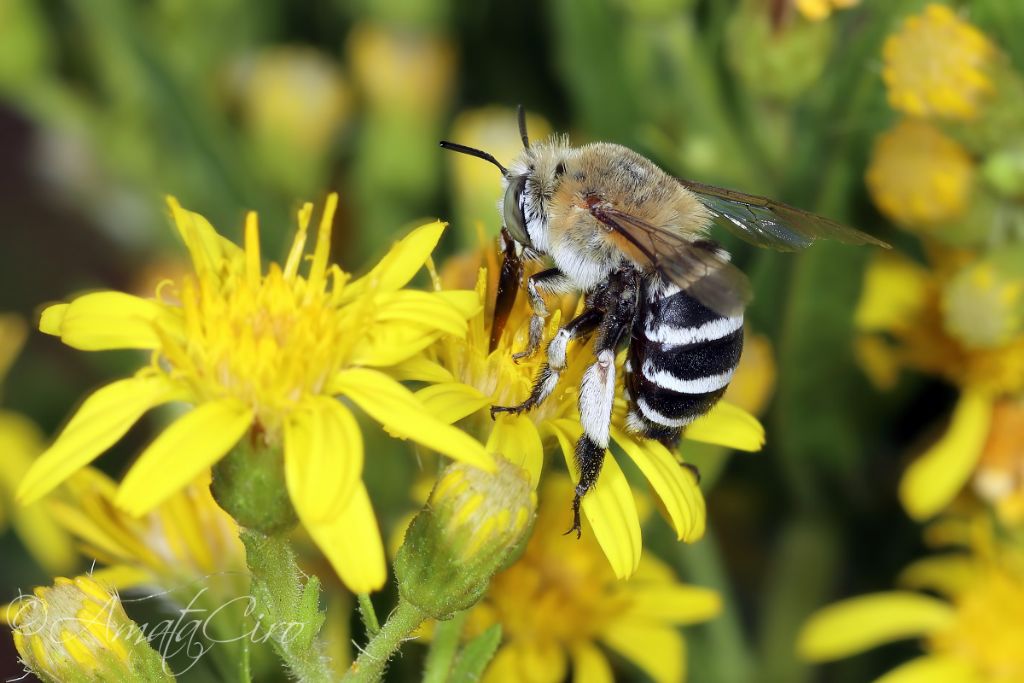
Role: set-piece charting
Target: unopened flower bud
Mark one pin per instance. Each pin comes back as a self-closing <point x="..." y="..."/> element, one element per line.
<point x="473" y="526"/>
<point x="77" y="631"/>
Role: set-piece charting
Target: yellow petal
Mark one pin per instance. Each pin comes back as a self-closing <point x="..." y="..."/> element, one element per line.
<point x="938" y="474"/>
<point x="106" y="320"/>
<point x="608" y="506"/>
<point x="181" y="452"/>
<point x="589" y="665"/>
<point x="102" y="419"/>
<point x="323" y="457"/>
<point x="515" y="438"/>
<point x="401" y="263"/>
<point x="122" y="577"/>
<point x="465" y="301"/>
<point x="420" y="369"/>
<point x="674" y="603"/>
<point x="658" y="650"/>
<point x="528" y="661"/>
<point x="948" y="574"/>
<point x="352" y="543"/>
<point x="52" y="318"/>
<point x="932" y="669"/>
<point x="452" y="401"/>
<point x="206" y="247"/>
<point x="675" y="485"/>
<point x="503" y="668"/>
<point x="397" y="408"/>
<point x="422" y="308"/>
<point x="728" y="425"/>
<point x="858" y="624"/>
<point x="386" y="344"/>
<point x="894" y="291"/>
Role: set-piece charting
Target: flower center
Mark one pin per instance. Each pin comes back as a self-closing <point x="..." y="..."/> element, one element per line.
<point x="989" y="628"/>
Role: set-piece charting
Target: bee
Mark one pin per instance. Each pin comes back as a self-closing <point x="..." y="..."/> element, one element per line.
<point x="632" y="240"/>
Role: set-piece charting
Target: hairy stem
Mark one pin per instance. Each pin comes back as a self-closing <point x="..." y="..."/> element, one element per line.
<point x="369" y="666"/>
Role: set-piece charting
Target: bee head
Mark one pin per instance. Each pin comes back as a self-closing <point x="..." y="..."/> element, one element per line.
<point x="513" y="203"/>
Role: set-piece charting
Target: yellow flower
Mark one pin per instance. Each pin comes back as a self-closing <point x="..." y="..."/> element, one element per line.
<point x="185" y="541"/>
<point x="77" y="631"/>
<point x="560" y="600"/>
<point x="295" y="96"/>
<point x="819" y="10"/>
<point x="938" y="65"/>
<point x="901" y="314"/>
<point x="20" y="442"/>
<point x="982" y="306"/>
<point x="971" y="635"/>
<point x="261" y="354"/>
<point x="919" y="177"/>
<point x="469" y="379"/>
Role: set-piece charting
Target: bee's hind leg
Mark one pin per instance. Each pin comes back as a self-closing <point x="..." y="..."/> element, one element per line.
<point x="550" y="280"/>
<point x="597" y="392"/>
<point x="547" y="377"/>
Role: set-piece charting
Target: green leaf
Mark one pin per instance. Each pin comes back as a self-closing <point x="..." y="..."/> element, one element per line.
<point x="475" y="657"/>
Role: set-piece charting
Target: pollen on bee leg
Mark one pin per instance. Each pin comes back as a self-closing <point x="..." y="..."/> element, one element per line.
<point x="597" y="392"/>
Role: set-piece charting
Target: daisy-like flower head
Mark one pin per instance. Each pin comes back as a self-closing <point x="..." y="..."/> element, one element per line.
<point x="76" y="631"/>
<point x="469" y="378"/>
<point x="902" y="315"/>
<point x="21" y="441"/>
<point x="561" y="602"/>
<point x="918" y="176"/>
<point x="971" y="634"/>
<point x="262" y="354"/>
<point x="938" y="65"/>
<point x="819" y="10"/>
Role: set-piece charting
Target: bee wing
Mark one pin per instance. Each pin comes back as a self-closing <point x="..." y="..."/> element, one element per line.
<point x="700" y="268"/>
<point x="767" y="223"/>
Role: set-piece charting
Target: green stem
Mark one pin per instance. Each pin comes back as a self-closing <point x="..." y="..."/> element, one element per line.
<point x="286" y="605"/>
<point x="443" y="648"/>
<point x="719" y="651"/>
<point x="369" y="615"/>
<point x="369" y="666"/>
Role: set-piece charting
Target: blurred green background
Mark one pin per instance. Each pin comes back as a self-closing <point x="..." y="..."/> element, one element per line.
<point x="108" y="105"/>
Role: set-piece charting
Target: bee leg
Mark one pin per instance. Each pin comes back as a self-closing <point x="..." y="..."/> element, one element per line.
<point x="547" y="378"/>
<point x="550" y="280"/>
<point x="597" y="394"/>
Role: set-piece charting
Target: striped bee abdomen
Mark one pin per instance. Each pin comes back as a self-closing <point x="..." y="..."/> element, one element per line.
<point x="681" y="359"/>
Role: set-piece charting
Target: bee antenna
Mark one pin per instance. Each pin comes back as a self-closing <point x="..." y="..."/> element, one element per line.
<point x="473" y="152"/>
<point x="521" y="116"/>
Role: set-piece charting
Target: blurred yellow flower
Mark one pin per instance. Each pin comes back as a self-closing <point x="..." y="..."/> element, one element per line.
<point x="972" y="634"/>
<point x="818" y="10"/>
<point x="77" y="630"/>
<point x="469" y="378"/>
<point x="901" y="316"/>
<point x="560" y="600"/>
<point x="982" y="306"/>
<point x="918" y="176"/>
<point x="261" y="355"/>
<point x="20" y="442"/>
<point x="999" y="476"/>
<point x="937" y="65"/>
<point x="294" y="95"/>
<point x="402" y="70"/>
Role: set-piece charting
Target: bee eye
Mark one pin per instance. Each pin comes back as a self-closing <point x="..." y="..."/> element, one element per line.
<point x="512" y="208"/>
